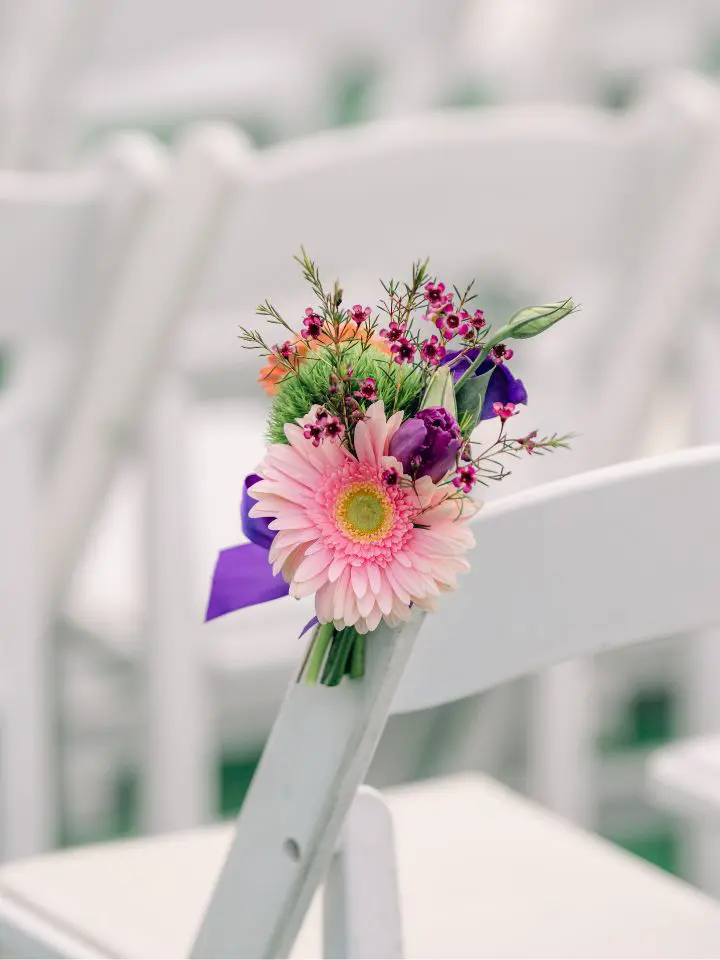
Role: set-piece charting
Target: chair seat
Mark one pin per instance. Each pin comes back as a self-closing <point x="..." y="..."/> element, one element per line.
<point x="483" y="873"/>
<point x="685" y="777"/>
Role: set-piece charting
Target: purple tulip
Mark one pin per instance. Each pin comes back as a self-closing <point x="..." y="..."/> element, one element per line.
<point x="503" y="387"/>
<point x="428" y="443"/>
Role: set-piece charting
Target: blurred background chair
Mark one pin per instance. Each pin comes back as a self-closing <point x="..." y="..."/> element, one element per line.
<point x="63" y="240"/>
<point x="84" y="69"/>
<point x="586" y="165"/>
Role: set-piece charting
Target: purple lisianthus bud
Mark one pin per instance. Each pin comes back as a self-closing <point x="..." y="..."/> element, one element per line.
<point x="428" y="443"/>
<point x="502" y="388"/>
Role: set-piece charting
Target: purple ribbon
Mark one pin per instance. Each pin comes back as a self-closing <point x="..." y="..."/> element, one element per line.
<point x="243" y="575"/>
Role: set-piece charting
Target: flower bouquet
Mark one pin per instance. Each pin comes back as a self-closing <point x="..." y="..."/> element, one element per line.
<point x="365" y="492"/>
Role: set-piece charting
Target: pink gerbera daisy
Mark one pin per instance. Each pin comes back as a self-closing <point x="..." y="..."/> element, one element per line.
<point x="366" y="547"/>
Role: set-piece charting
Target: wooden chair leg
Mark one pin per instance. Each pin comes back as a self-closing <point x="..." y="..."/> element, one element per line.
<point x="27" y="801"/>
<point x="361" y="907"/>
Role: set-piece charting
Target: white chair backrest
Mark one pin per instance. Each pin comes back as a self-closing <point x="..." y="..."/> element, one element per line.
<point x="132" y="30"/>
<point x="586" y="51"/>
<point x="499" y="193"/>
<point x="78" y="64"/>
<point x="135" y="343"/>
<point x="537" y="204"/>
<point x="63" y="239"/>
<point x="597" y="561"/>
<point x="609" y="558"/>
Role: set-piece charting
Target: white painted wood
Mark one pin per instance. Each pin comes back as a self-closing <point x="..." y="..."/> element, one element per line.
<point x="586" y="51"/>
<point x="28" y="799"/>
<point x="62" y="236"/>
<point x="684" y="777"/>
<point x="528" y="192"/>
<point x="361" y="900"/>
<point x="701" y="702"/>
<point x="178" y="770"/>
<point x="43" y="48"/>
<point x="24" y="933"/>
<point x="483" y="873"/>
<point x="607" y="558"/>
<point x="284" y="845"/>
<point x="683" y="251"/>
<point x="561" y="741"/>
<point x="621" y="552"/>
<point x="128" y="173"/>
<point x="136" y="339"/>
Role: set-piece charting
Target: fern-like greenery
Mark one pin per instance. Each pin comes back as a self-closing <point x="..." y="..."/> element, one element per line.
<point x="298" y="392"/>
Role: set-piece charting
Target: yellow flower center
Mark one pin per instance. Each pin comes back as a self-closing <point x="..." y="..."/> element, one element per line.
<point x="364" y="512"/>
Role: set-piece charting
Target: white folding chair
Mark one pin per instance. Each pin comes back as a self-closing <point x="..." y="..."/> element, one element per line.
<point x="63" y="240"/>
<point x="589" y="51"/>
<point x="530" y="208"/>
<point x="482" y="873"/>
<point x="526" y="219"/>
<point x="83" y="69"/>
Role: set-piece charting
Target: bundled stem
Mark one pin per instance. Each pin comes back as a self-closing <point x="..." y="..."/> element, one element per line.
<point x="335" y="654"/>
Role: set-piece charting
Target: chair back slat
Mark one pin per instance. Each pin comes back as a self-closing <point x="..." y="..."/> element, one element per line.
<point x="579" y="566"/>
<point x="313" y="764"/>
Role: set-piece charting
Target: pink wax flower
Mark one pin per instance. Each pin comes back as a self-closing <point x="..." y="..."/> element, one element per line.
<point x="359" y="314"/>
<point x="432" y="350"/>
<point x="465" y="478"/>
<point x="312" y="325"/>
<point x="403" y="351"/>
<point x="505" y="410"/>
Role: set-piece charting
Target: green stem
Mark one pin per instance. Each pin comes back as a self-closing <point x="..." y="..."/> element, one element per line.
<point x="337" y="659"/>
<point x="318" y="649"/>
<point x="357" y="658"/>
<point x="484" y="353"/>
<point x="502" y="334"/>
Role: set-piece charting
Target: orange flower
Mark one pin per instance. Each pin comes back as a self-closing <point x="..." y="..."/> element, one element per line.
<point x="274" y="370"/>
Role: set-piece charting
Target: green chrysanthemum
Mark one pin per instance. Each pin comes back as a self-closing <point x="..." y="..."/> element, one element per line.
<point x="311" y="384"/>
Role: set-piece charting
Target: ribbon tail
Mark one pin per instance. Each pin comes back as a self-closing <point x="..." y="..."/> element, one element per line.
<point x="242" y="578"/>
<point x="308" y="626"/>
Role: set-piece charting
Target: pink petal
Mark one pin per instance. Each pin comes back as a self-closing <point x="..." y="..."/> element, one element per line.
<point x="397" y="589"/>
<point x="407" y="579"/>
<point x="305" y="588"/>
<point x="313" y="565"/>
<point x="324" y="601"/>
<point x="366" y="603"/>
<point x="350" y="613"/>
<point x="289" y="520"/>
<point x="341" y="589"/>
<point x="393" y="425"/>
<point x="292" y="562"/>
<point x="373" y="575"/>
<point x="336" y="568"/>
<point x="385" y="594"/>
<point x="371" y="435"/>
<point x="359" y="581"/>
<point x="373" y="618"/>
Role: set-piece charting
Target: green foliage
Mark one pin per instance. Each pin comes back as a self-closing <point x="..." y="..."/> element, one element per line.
<point x="534" y="320"/>
<point x="440" y="392"/>
<point x="298" y="392"/>
<point x="470" y="397"/>
<point x="467" y="422"/>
